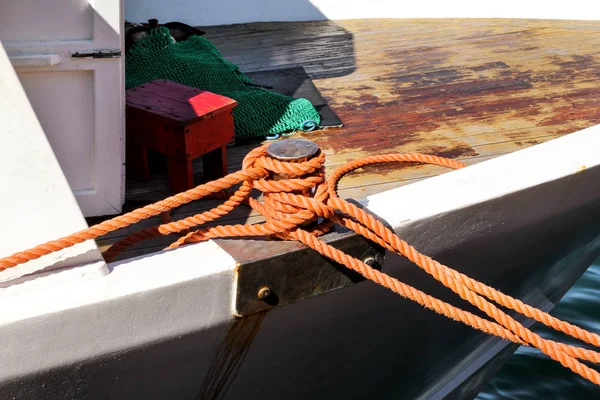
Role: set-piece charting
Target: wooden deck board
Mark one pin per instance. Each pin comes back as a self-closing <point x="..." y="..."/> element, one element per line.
<point x="469" y="89"/>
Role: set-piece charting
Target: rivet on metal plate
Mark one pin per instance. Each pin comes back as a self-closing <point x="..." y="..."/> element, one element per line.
<point x="264" y="292"/>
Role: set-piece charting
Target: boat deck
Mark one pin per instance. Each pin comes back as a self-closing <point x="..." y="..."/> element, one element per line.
<point x="465" y="89"/>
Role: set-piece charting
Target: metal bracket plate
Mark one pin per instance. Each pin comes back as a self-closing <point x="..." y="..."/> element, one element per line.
<point x="273" y="273"/>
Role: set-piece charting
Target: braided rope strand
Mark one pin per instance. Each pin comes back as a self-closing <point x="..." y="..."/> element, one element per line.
<point x="288" y="206"/>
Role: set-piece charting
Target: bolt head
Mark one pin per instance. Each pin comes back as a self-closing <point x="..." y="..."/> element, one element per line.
<point x="264" y="292"/>
<point x="370" y="261"/>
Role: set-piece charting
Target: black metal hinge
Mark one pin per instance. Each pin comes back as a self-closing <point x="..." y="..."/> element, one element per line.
<point x="110" y="53"/>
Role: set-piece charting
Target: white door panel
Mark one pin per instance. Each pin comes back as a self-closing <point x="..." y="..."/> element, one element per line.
<point x="36" y="203"/>
<point x="79" y="101"/>
<point x="69" y="116"/>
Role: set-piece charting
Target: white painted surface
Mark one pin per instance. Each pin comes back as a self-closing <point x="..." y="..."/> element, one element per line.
<point x="568" y="155"/>
<point x="79" y="102"/>
<point x="235" y="11"/>
<point x="75" y="314"/>
<point x="161" y="296"/>
<point x="37" y="204"/>
<point x="35" y="60"/>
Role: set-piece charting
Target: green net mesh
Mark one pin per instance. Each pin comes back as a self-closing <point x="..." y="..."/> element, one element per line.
<point x="196" y="62"/>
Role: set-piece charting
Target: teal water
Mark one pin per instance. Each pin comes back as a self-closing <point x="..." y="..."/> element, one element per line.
<point x="530" y="374"/>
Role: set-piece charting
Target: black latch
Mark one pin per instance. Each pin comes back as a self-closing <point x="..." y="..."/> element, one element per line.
<point x="97" y="54"/>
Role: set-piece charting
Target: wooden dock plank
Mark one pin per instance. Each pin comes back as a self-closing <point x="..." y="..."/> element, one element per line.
<point x="470" y="89"/>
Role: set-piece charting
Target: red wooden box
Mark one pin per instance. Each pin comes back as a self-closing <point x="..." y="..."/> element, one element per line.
<point x="181" y="122"/>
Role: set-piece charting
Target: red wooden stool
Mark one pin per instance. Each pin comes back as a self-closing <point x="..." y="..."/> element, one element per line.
<point x="181" y="122"/>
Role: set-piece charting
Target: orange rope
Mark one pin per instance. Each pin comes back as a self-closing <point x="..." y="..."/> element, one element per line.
<point x="289" y="209"/>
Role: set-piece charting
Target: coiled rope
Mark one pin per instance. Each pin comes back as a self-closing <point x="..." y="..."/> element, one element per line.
<point x="301" y="194"/>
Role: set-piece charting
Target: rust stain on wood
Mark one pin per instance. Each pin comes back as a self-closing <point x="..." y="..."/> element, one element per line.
<point x="476" y="90"/>
<point x="455" y="152"/>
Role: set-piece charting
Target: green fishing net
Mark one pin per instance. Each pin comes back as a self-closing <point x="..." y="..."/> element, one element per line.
<point x="196" y="62"/>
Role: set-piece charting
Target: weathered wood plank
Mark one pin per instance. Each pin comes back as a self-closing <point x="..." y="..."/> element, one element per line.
<point x="469" y="89"/>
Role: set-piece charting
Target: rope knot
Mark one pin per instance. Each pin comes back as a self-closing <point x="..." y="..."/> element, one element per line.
<point x="295" y="192"/>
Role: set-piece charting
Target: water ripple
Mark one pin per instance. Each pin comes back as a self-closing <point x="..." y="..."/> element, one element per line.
<point x="530" y="374"/>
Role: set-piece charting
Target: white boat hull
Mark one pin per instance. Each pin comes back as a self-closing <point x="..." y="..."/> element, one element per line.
<point x="161" y="326"/>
